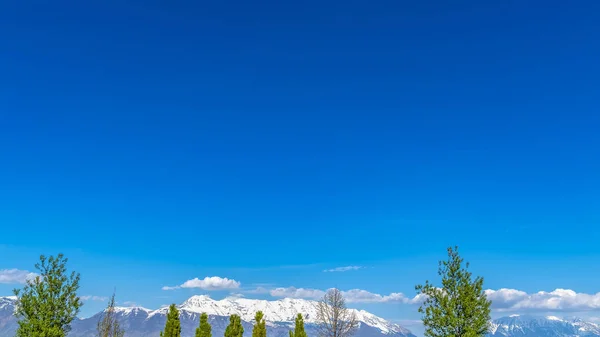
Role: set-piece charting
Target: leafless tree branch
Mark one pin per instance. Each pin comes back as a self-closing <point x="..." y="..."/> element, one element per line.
<point x="334" y="319"/>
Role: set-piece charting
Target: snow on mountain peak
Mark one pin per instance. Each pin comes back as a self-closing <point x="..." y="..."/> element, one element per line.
<point x="283" y="310"/>
<point x="7" y="301"/>
<point x="550" y="325"/>
<point x="131" y="310"/>
<point x="279" y="311"/>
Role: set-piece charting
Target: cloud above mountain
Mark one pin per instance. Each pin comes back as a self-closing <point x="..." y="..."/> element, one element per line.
<point x="293" y="292"/>
<point x="15" y="276"/>
<point x="342" y="269"/>
<point x="351" y="296"/>
<point x="558" y="300"/>
<point x="208" y="283"/>
<point x="503" y="300"/>
<point x="363" y="296"/>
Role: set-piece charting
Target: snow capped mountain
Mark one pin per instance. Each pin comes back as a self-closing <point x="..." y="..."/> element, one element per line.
<point x="7" y="302"/>
<point x="280" y="316"/>
<point x="275" y="311"/>
<point x="8" y="323"/>
<point x="542" y="326"/>
<point x="132" y="311"/>
<point x="284" y="310"/>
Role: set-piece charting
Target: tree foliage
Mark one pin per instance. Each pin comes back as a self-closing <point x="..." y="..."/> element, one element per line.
<point x="172" y="325"/>
<point x="260" y="327"/>
<point x="299" y="328"/>
<point x="108" y="326"/>
<point x="235" y="328"/>
<point x="460" y="307"/>
<point x="204" y="329"/>
<point x="334" y="319"/>
<point x="48" y="303"/>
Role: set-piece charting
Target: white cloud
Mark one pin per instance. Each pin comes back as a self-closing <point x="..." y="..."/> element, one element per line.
<point x="363" y="296"/>
<point x="257" y="290"/>
<point x="418" y="299"/>
<point x="93" y="298"/>
<point x="557" y="300"/>
<point x="293" y="292"/>
<point x="235" y="295"/>
<point x="342" y="269"/>
<point x="130" y="304"/>
<point x="513" y="300"/>
<point x="351" y="296"/>
<point x="14" y="276"/>
<point x="503" y="300"/>
<point x="208" y="283"/>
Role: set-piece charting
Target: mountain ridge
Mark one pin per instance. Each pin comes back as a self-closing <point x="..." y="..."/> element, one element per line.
<point x="279" y="314"/>
<point x="542" y="326"/>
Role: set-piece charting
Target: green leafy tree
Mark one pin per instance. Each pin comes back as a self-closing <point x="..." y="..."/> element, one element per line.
<point x="299" y="328"/>
<point x="204" y="329"/>
<point x="235" y="328"/>
<point x="260" y="327"/>
<point x="108" y="325"/>
<point x="48" y="303"/>
<point x="172" y="325"/>
<point x="460" y="307"/>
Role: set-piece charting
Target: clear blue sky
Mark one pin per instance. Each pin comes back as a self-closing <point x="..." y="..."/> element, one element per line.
<point x="155" y="142"/>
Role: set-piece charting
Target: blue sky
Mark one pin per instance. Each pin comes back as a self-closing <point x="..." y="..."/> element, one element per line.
<point x="154" y="143"/>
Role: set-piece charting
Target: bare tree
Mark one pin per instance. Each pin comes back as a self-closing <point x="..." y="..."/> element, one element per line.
<point x="334" y="319"/>
<point x="108" y="326"/>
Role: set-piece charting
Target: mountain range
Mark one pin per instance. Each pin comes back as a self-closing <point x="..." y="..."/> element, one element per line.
<point x="280" y="315"/>
<point x="547" y="326"/>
